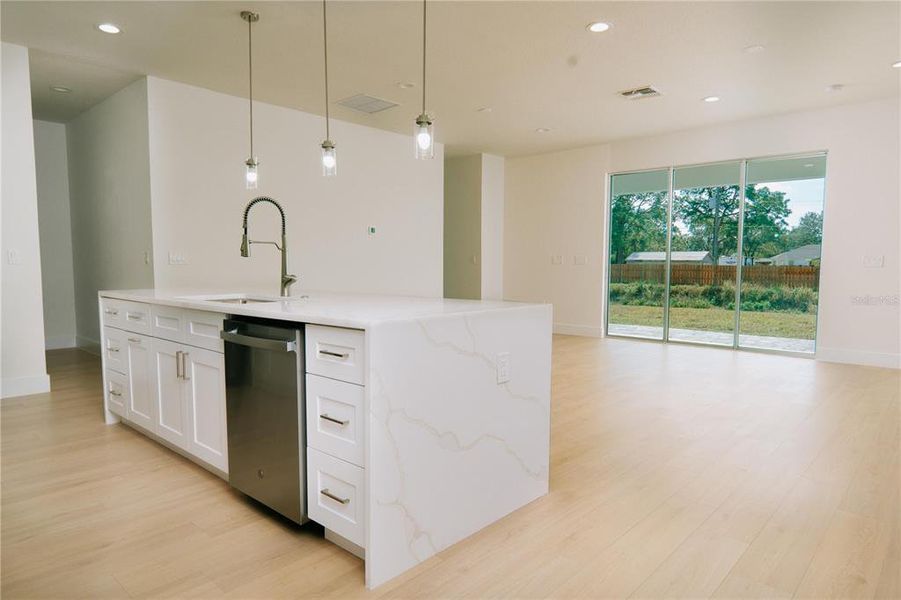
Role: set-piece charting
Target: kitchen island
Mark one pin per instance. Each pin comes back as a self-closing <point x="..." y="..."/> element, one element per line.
<point x="455" y="417"/>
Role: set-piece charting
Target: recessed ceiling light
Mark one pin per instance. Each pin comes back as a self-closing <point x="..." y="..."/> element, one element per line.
<point x="406" y="85"/>
<point x="109" y="28"/>
<point x="753" y="49"/>
<point x="542" y="130"/>
<point x="60" y="89"/>
<point x="598" y="27"/>
<point x="712" y="99"/>
<point x="835" y="87"/>
<point x="484" y="109"/>
<point x="897" y="64"/>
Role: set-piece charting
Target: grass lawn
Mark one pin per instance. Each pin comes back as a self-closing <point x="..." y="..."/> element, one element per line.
<point x="778" y="324"/>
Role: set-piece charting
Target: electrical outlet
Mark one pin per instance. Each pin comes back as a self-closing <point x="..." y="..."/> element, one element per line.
<point x="580" y="260"/>
<point x="370" y="230"/>
<point x="13" y="257"/>
<point x="177" y="259"/>
<point x="556" y="259"/>
<point x="503" y="367"/>
<point x="873" y="261"/>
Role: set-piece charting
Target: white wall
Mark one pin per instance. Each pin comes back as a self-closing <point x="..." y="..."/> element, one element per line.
<point x="23" y="369"/>
<point x="198" y="144"/>
<point x="109" y="189"/>
<point x="56" y="234"/>
<point x="555" y="208"/>
<point x="462" y="227"/>
<point x="492" y="227"/>
<point x="555" y="205"/>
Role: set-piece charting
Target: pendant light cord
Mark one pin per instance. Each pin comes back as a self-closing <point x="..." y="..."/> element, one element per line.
<point x="250" y="76"/>
<point x="423" y="54"/>
<point x="325" y="56"/>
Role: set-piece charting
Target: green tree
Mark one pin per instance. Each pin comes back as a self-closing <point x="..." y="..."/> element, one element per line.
<point x="809" y="230"/>
<point x="711" y="217"/>
<point x="765" y="225"/>
<point x="637" y="224"/>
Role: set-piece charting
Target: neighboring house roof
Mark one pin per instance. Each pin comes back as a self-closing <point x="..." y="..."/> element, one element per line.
<point x="699" y="256"/>
<point x="800" y="254"/>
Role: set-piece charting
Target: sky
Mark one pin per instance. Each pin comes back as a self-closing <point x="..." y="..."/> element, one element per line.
<point x="804" y="195"/>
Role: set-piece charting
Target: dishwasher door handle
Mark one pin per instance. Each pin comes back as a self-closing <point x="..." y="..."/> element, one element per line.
<point x="256" y="342"/>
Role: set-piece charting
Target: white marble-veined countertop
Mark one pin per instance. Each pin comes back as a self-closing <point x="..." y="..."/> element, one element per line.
<point x="358" y="311"/>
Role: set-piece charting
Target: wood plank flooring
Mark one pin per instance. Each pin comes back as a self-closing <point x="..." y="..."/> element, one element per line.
<point x="675" y="472"/>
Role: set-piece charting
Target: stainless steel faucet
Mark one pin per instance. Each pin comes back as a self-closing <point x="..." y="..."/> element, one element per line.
<point x="287" y="280"/>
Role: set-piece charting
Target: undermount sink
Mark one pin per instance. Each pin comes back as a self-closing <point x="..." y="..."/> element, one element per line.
<point x="243" y="300"/>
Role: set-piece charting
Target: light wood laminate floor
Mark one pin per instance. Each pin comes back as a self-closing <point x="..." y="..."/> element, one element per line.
<point x="675" y="472"/>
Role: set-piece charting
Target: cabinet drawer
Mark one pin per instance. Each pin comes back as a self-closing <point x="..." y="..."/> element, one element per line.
<point x="193" y="327"/>
<point x="335" y="352"/>
<point x="335" y="418"/>
<point x="335" y="495"/>
<point x="131" y="316"/>
<point x="202" y="329"/>
<point x="116" y="393"/>
<point x="115" y="350"/>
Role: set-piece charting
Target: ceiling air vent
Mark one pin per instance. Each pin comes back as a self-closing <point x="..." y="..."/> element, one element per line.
<point x="646" y="91"/>
<point x="367" y="104"/>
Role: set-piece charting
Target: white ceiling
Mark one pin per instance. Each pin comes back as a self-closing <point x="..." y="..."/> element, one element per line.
<point x="533" y="63"/>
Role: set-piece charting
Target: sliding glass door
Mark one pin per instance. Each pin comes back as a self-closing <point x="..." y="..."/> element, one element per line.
<point x="723" y="253"/>
<point x="706" y="205"/>
<point x="637" y="269"/>
<point x="783" y="234"/>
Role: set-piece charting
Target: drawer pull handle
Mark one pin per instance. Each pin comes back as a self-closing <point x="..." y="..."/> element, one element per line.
<point x="115" y="393"/>
<point x="135" y="316"/>
<point x="328" y="494"/>
<point x="341" y="355"/>
<point x="334" y="420"/>
<point x="111" y="311"/>
<point x="135" y="340"/>
<point x="112" y="349"/>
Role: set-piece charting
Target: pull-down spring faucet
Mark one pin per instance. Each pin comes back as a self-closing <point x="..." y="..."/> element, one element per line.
<point x="286" y="280"/>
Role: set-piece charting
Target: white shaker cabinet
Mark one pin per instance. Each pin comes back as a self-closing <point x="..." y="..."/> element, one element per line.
<point x="203" y="378"/>
<point x="171" y="409"/>
<point x="141" y="406"/>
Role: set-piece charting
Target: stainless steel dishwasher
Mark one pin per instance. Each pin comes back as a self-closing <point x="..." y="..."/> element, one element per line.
<point x="264" y="373"/>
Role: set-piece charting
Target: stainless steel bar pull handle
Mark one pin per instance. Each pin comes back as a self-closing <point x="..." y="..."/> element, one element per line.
<point x="334" y="420"/>
<point x="178" y="365"/>
<point x="111" y="311"/>
<point x="341" y="355"/>
<point x="113" y="392"/>
<point x="135" y="316"/>
<point x="112" y="348"/>
<point x="135" y="340"/>
<point x="184" y="364"/>
<point x="328" y="494"/>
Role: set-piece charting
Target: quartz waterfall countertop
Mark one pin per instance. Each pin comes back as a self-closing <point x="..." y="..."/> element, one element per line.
<point x="327" y="308"/>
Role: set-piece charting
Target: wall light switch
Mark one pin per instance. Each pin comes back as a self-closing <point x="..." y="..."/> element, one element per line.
<point x="873" y="261"/>
<point x="580" y="259"/>
<point x="176" y="258"/>
<point x="370" y="230"/>
<point x="503" y="367"/>
<point x="556" y="259"/>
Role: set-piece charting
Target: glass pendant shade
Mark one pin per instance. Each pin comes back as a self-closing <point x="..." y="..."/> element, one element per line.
<point x="329" y="159"/>
<point x="250" y="173"/>
<point x="424" y="137"/>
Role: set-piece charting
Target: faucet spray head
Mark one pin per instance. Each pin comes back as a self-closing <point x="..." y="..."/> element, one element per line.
<point x="245" y="247"/>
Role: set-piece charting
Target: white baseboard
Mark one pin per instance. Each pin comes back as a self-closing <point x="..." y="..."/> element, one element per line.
<point x="859" y="357"/>
<point x="12" y="387"/>
<point x="59" y="342"/>
<point x="583" y="330"/>
<point x="88" y="345"/>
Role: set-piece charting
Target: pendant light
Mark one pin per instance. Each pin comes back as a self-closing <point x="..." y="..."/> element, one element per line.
<point x="423" y="130"/>
<point x="329" y="155"/>
<point x="251" y="164"/>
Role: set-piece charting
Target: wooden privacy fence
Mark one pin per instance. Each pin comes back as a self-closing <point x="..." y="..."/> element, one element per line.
<point x="687" y="274"/>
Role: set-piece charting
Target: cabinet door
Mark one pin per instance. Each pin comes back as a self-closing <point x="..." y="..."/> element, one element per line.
<point x="141" y="406"/>
<point x="171" y="410"/>
<point x="205" y="397"/>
